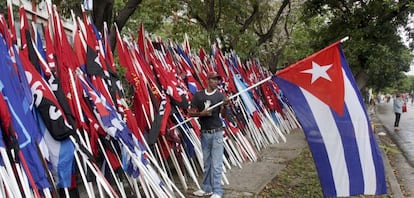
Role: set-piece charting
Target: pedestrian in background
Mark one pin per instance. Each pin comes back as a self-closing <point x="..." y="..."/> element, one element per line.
<point x="211" y="134"/>
<point x="398" y="104"/>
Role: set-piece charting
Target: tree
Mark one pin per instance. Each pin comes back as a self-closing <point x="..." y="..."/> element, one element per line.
<point x="276" y="32"/>
<point x="375" y="52"/>
<point x="103" y="11"/>
<point x="254" y="29"/>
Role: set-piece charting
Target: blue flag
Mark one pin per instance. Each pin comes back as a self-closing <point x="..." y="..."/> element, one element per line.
<point x="22" y="118"/>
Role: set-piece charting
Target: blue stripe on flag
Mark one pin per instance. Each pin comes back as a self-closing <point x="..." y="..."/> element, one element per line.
<point x="313" y="136"/>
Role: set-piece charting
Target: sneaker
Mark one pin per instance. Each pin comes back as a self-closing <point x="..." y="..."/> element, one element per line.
<point x="201" y="193"/>
<point x="397" y="128"/>
<point x="215" y="196"/>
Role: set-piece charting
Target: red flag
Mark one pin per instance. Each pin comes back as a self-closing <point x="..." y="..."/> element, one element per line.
<point x="24" y="30"/>
<point x="78" y="46"/>
<point x="11" y="22"/>
<point x="141" y="42"/>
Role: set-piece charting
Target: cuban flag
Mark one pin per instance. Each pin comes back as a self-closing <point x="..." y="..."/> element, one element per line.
<point x="329" y="106"/>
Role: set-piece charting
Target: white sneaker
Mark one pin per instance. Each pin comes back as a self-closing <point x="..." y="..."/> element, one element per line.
<point x="201" y="193"/>
<point x="215" y="196"/>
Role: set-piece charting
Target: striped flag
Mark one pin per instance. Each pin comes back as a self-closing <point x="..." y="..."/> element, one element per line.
<point x="329" y="106"/>
<point x="248" y="101"/>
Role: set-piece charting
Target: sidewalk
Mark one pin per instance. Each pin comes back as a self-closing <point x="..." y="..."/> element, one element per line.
<point x="250" y="180"/>
<point x="402" y="141"/>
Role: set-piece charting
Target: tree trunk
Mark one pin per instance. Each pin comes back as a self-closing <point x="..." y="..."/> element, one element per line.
<point x="122" y="18"/>
<point x="269" y="34"/>
<point x="102" y="12"/>
<point x="361" y="79"/>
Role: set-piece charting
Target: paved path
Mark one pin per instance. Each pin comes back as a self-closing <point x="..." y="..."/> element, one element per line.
<point x="403" y="138"/>
<point x="251" y="179"/>
<point x="402" y="161"/>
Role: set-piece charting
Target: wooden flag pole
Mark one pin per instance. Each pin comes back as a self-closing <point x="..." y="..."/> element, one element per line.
<point x="218" y="104"/>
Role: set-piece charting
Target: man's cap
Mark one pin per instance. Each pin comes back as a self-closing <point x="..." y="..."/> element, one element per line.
<point x="212" y="75"/>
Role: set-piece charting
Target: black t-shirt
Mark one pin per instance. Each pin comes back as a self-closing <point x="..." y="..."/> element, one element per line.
<point x="202" y="100"/>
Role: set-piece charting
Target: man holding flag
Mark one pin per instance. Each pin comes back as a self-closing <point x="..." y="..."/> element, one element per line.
<point x="324" y="95"/>
<point x="211" y="134"/>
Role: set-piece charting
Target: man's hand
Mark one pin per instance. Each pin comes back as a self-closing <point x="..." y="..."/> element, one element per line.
<point x="205" y="112"/>
<point x="226" y="101"/>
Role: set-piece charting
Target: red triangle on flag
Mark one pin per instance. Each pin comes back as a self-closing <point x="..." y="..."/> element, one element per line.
<point x="321" y="75"/>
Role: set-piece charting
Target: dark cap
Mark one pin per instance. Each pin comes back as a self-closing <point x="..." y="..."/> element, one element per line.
<point x="211" y="75"/>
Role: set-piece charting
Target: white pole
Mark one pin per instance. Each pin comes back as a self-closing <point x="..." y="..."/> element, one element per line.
<point x="117" y="180"/>
<point x="7" y="191"/>
<point x="82" y="172"/>
<point x="176" y="165"/>
<point x="189" y="167"/>
<point x="344" y="39"/>
<point x="218" y="104"/>
<point x="12" y="181"/>
<point x="67" y="192"/>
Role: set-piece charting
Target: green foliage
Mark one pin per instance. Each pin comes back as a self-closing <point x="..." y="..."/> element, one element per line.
<point x="3" y="7"/>
<point x="226" y="21"/>
<point x="404" y="85"/>
<point x="375" y="49"/>
<point x="301" y="45"/>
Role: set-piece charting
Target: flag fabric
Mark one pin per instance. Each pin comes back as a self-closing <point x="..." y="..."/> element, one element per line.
<point x="107" y="115"/>
<point x="329" y="106"/>
<point x="88" y="4"/>
<point x="22" y="119"/>
<point x="159" y="123"/>
<point x="47" y="103"/>
<point x="2" y="147"/>
<point x="53" y="125"/>
<point x="248" y="101"/>
<point x="60" y="155"/>
<point x="5" y="123"/>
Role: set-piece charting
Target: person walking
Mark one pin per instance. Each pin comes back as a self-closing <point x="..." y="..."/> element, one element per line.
<point x="398" y="103"/>
<point x="212" y="132"/>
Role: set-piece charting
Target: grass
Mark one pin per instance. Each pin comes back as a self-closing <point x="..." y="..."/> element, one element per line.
<point x="298" y="180"/>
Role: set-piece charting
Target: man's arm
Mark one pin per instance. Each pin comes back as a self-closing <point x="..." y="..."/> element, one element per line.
<point x="194" y="113"/>
<point x="224" y="106"/>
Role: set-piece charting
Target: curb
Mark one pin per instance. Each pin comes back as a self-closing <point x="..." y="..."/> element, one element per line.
<point x="392" y="180"/>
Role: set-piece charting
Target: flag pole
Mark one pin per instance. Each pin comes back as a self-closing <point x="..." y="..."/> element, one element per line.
<point x="218" y="104"/>
<point x="344" y="39"/>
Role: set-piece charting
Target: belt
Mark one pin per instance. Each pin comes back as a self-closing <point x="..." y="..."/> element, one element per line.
<point x="211" y="131"/>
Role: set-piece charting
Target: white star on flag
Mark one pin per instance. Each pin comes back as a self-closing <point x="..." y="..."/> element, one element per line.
<point x="318" y="71"/>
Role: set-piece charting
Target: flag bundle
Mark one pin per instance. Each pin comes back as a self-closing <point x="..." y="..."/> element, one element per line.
<point x="165" y="75"/>
<point x="63" y="109"/>
<point x="325" y="97"/>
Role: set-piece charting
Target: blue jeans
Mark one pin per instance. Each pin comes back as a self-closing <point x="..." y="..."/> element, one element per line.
<point x="212" y="146"/>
